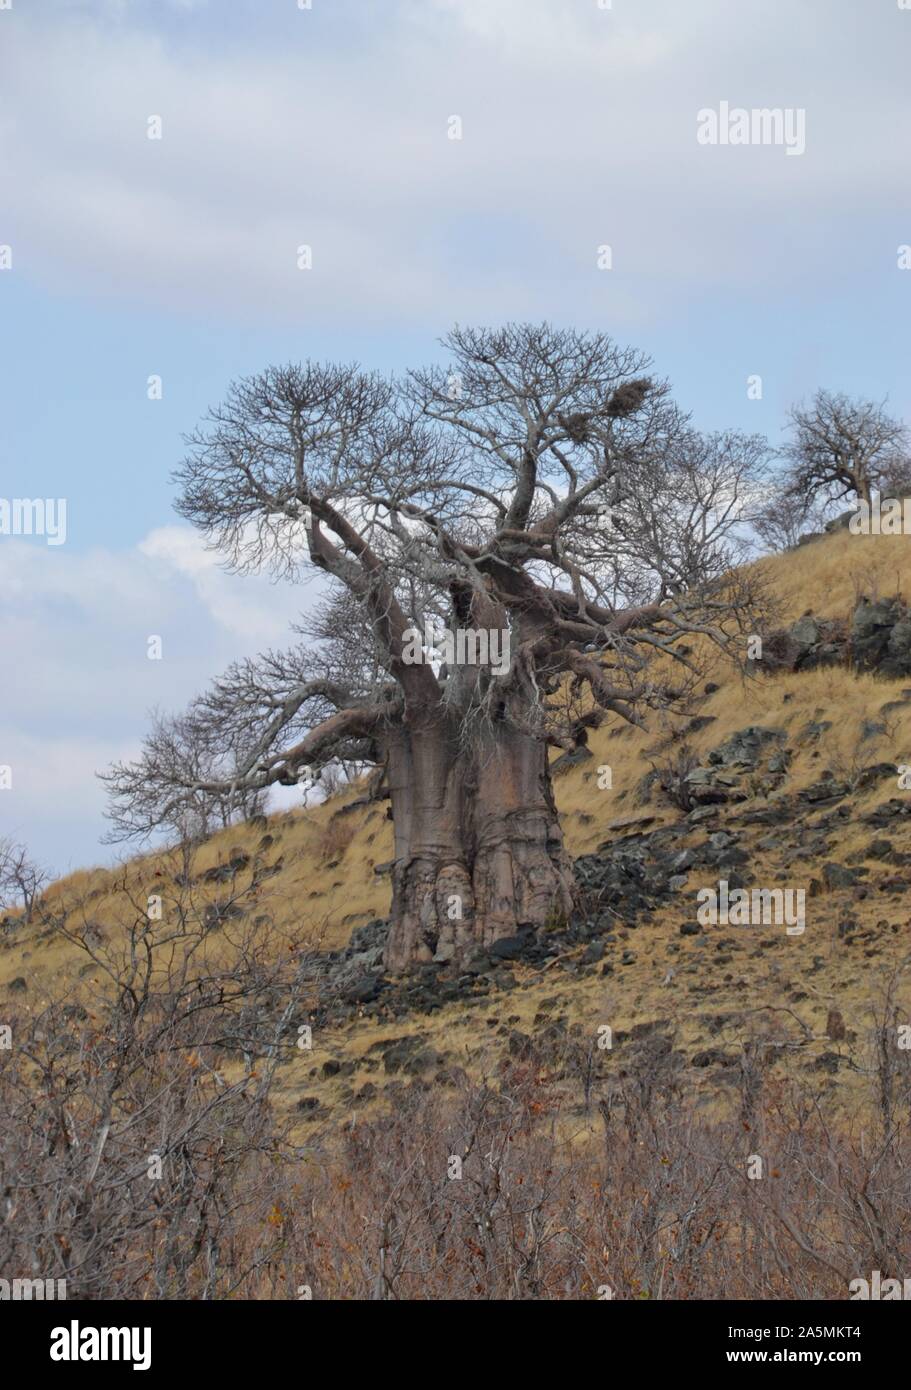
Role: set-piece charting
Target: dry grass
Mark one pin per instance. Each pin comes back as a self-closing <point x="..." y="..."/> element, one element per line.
<point x="827" y="576"/>
<point x="321" y="861"/>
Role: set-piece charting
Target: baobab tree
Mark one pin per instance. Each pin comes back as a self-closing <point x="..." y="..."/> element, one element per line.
<point x="539" y="495"/>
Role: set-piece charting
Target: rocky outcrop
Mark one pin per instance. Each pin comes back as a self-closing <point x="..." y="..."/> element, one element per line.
<point x="881" y="637"/>
<point x="750" y="761"/>
<point x="809" y="643"/>
<point x="877" y="638"/>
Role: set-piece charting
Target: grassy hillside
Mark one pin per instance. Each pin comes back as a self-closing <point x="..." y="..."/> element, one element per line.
<point x="317" y="879"/>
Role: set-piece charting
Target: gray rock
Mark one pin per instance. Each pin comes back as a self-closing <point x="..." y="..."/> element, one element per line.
<point x="806" y="631"/>
<point x="363" y="989"/>
<point x="838" y="876"/>
<point x="509" y="947"/>
<point x="569" y="760"/>
<point x="881" y="637"/>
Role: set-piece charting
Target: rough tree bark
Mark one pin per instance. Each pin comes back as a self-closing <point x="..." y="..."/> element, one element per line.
<point x="479" y="852"/>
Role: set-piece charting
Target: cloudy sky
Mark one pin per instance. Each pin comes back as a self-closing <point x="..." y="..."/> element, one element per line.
<point x="284" y="126"/>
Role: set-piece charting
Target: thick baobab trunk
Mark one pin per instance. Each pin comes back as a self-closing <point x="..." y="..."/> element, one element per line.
<point x="430" y="865"/>
<point x="521" y="873"/>
<point x="478" y="850"/>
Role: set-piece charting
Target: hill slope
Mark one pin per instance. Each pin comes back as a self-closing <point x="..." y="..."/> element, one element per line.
<point x="786" y="780"/>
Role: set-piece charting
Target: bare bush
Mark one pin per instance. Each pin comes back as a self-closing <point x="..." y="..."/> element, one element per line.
<point x="141" y="1156"/>
<point x="22" y="881"/>
<point x="671" y="768"/>
<point x="490" y="1185"/>
<point x="784" y="519"/>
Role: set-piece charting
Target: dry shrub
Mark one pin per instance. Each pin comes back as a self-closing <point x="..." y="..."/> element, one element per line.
<point x="547" y="1174"/>
<point x="335" y="838"/>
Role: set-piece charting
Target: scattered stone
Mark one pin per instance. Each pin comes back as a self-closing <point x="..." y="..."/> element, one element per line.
<point x="881" y="637"/>
<point x="510" y="947"/>
<point x="837" y="876"/>
<point x="714" y="1057"/>
<point x="826" y="790"/>
<point x="560" y="766"/>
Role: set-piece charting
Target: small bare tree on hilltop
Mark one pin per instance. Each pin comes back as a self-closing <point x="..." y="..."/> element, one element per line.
<point x="841" y="448"/>
<point x="541" y="490"/>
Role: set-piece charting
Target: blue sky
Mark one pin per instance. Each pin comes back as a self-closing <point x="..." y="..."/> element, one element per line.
<point x="328" y="126"/>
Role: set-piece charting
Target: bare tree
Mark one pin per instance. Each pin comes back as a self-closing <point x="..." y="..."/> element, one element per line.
<point x="841" y="447"/>
<point x="204" y="758"/>
<point x="21" y="879"/>
<point x="140" y="1154"/>
<point x="542" y="496"/>
<point x="783" y="520"/>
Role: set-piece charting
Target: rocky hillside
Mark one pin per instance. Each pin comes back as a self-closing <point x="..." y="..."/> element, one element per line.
<point x="793" y="779"/>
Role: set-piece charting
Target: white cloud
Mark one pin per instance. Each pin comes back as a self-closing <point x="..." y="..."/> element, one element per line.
<point x="56" y="803"/>
<point x="579" y="128"/>
<point x="543" y="35"/>
<point x="78" y="684"/>
<point x="254" y="611"/>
